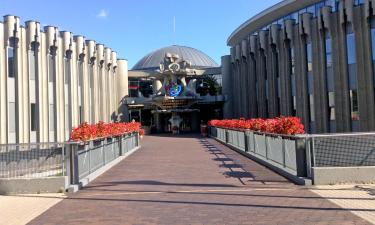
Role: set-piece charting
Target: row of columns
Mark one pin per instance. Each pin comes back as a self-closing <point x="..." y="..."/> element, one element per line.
<point x="272" y="75"/>
<point x="59" y="81"/>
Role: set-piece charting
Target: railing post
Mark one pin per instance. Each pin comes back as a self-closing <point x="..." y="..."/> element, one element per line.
<point x="246" y="137"/>
<point x="74" y="171"/>
<point x="283" y="151"/>
<point x="266" y="143"/>
<point x="301" y="149"/>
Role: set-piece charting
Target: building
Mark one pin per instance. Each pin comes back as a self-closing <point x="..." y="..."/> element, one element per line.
<point x="173" y="88"/>
<point x="313" y="59"/>
<point x="51" y="81"/>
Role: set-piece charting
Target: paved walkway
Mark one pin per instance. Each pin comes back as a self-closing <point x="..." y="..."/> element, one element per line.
<point x="187" y="180"/>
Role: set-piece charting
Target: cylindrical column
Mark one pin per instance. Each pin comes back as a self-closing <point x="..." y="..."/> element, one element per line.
<point x="122" y="88"/>
<point x="227" y="83"/>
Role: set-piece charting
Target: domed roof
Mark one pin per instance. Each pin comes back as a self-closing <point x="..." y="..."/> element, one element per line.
<point x="197" y="58"/>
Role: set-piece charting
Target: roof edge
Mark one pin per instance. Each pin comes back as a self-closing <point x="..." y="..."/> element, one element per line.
<point x="265" y="17"/>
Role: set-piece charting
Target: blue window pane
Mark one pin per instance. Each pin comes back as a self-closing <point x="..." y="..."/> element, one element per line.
<point x="351" y="49"/>
<point x="328" y="52"/>
<point x="309" y="57"/>
<point x="373" y="43"/>
<point x="10" y="53"/>
<point x="311" y="9"/>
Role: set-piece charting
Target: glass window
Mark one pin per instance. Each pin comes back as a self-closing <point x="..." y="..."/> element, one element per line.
<point x="80" y="72"/>
<point x="51" y="117"/>
<point x="358" y="2"/>
<point x="310" y="83"/>
<point x="67" y="122"/>
<point x="80" y="114"/>
<point x="32" y="67"/>
<point x="12" y="117"/>
<point x="352" y="73"/>
<point x="329" y="80"/>
<point x="51" y="69"/>
<point x="311" y="9"/>
<point x="373" y="45"/>
<point x="11" y="65"/>
<point x="33" y="117"/>
<point x="66" y="71"/>
<point x="354" y="104"/>
<point x="351" y="48"/>
<point x="133" y="88"/>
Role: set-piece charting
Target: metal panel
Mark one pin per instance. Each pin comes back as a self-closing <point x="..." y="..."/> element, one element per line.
<point x="290" y="154"/>
<point x="275" y="149"/>
<point x="83" y="161"/>
<point x="96" y="156"/>
<point x="260" y="145"/>
<point x="241" y="140"/>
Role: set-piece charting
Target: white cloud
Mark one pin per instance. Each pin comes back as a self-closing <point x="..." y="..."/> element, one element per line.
<point x="102" y="14"/>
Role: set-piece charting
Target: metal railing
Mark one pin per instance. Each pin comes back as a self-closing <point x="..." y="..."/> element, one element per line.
<point x="32" y="160"/>
<point x="298" y="154"/>
<point x="73" y="159"/>
<point x="342" y="150"/>
<point x="88" y="158"/>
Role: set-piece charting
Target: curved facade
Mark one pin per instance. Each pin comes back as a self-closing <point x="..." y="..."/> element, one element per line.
<point x="311" y="59"/>
<point x="50" y="81"/>
<point x="197" y="58"/>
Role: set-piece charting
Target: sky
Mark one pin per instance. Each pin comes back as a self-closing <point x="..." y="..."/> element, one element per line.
<point x="134" y="28"/>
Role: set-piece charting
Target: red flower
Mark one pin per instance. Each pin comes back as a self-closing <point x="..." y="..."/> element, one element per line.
<point x="279" y="125"/>
<point x="86" y="132"/>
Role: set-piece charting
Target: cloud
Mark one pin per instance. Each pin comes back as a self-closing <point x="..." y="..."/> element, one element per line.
<point x="102" y="14"/>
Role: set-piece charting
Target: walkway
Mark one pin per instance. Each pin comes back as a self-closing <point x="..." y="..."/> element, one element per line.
<point x="187" y="180"/>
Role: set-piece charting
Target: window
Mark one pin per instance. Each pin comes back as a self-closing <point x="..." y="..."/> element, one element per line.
<point x="80" y="114"/>
<point x="32" y="66"/>
<point x="352" y="73"/>
<point x="51" y="117"/>
<point x="80" y="73"/>
<point x="10" y="53"/>
<point x="292" y="79"/>
<point x="33" y="117"/>
<point x="354" y="105"/>
<point x="329" y="79"/>
<point x="133" y="88"/>
<point x="66" y="71"/>
<point x="51" y="69"/>
<point x="12" y="117"/>
<point x="310" y="81"/>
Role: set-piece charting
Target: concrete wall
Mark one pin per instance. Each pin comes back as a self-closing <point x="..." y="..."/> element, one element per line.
<point x="262" y="61"/>
<point x="337" y="175"/>
<point x="33" y="185"/>
<point x="75" y="81"/>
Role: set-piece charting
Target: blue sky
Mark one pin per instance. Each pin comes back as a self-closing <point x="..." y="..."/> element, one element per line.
<point x="134" y="28"/>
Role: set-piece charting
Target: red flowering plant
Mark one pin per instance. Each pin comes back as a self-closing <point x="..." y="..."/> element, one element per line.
<point x="279" y="125"/>
<point x="86" y="132"/>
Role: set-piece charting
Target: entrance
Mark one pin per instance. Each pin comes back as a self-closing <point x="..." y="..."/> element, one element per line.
<point x="188" y="121"/>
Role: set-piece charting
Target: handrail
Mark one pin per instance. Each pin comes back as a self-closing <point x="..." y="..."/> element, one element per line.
<point x="301" y="136"/>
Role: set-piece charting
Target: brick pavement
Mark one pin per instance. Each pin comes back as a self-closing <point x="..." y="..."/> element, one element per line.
<point x="188" y="180"/>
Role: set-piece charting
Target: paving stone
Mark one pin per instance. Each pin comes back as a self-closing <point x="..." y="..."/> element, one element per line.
<point x="189" y="180"/>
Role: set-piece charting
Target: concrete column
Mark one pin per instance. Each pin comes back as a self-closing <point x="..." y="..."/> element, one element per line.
<point x="122" y="88"/>
<point x="92" y="79"/>
<point x="227" y="86"/>
<point x="66" y="52"/>
<point x="116" y="102"/>
<point x="108" y="78"/>
<point x="3" y="88"/>
<point x="100" y="68"/>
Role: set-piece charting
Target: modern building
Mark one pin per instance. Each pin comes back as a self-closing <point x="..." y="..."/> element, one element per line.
<point x="50" y="81"/>
<point x="173" y="89"/>
<point x="313" y="59"/>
